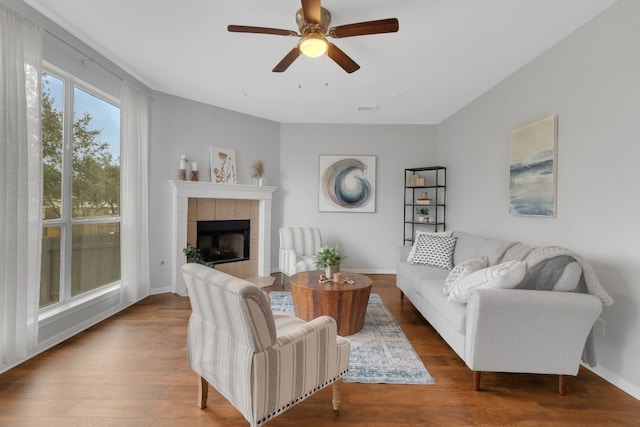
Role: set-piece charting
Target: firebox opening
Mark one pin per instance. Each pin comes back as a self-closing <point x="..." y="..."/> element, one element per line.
<point x="224" y="241"/>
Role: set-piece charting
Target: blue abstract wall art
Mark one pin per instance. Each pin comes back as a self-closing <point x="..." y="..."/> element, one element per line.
<point x="347" y="183"/>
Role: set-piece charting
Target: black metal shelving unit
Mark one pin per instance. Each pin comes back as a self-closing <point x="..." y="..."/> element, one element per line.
<point x="435" y="185"/>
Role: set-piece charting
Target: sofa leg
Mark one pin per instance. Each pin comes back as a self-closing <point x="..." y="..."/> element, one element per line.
<point x="337" y="386"/>
<point x="203" y="392"/>
<point x="476" y="380"/>
<point x="562" y="385"/>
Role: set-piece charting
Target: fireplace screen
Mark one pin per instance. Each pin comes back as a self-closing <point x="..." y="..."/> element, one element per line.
<point x="224" y="241"/>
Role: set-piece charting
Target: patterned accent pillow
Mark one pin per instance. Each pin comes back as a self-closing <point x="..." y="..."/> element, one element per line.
<point x="462" y="270"/>
<point x="418" y="234"/>
<point x="434" y="251"/>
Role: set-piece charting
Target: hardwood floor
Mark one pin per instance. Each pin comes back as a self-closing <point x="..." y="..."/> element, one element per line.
<point x="130" y="370"/>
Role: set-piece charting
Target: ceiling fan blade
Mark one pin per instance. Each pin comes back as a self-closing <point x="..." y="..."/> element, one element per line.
<point x="287" y="60"/>
<point x="311" y="11"/>
<point x="260" y="30"/>
<point x="342" y="59"/>
<point x="363" y="28"/>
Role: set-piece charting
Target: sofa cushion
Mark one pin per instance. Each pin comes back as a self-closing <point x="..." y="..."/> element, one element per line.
<point x="427" y="283"/>
<point x="430" y="289"/>
<point x="502" y="276"/>
<point x="434" y="251"/>
<point x="462" y="270"/>
<point x="473" y="246"/>
<point x="413" y="274"/>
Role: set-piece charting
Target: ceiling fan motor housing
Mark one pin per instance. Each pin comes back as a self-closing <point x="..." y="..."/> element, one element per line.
<point x="309" y="28"/>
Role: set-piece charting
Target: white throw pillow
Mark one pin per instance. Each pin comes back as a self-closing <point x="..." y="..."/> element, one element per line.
<point x="434" y="251"/>
<point x="418" y="234"/>
<point x="462" y="270"/>
<point x="502" y="276"/>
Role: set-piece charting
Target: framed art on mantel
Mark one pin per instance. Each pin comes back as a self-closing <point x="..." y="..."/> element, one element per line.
<point x="223" y="165"/>
<point x="347" y="184"/>
<point x="533" y="168"/>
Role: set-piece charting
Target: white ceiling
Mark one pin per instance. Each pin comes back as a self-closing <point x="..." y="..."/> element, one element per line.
<point x="446" y="53"/>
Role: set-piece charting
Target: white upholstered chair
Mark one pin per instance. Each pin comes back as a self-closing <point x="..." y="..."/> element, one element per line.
<point x="298" y="247"/>
<point x="262" y="362"/>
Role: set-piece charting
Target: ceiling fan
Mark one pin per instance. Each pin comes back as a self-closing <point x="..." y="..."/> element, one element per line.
<point x="313" y="21"/>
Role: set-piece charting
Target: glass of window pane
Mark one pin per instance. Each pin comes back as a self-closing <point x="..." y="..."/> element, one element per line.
<point x="95" y="259"/>
<point x="52" y="133"/>
<point x="50" y="271"/>
<point x="96" y="157"/>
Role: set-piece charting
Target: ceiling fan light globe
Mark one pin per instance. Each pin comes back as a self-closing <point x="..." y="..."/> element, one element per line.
<point x="313" y="46"/>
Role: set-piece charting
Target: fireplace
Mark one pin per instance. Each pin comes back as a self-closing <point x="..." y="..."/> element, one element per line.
<point x="224" y="241"/>
<point x="200" y="200"/>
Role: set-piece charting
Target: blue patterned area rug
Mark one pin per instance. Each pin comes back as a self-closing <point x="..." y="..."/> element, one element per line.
<point x="380" y="352"/>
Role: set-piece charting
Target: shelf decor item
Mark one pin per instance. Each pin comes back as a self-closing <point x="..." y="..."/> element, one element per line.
<point x="422" y="214"/>
<point x="329" y="259"/>
<point x="423" y="200"/>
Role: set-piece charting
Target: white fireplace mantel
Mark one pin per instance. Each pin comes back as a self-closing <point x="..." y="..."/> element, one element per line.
<point x="183" y="190"/>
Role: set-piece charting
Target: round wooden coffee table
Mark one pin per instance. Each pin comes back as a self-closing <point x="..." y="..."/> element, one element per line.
<point x="345" y="302"/>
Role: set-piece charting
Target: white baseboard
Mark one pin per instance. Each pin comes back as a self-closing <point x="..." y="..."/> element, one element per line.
<point x="157" y="291"/>
<point x="616" y="380"/>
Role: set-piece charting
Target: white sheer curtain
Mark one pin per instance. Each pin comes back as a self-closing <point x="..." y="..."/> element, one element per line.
<point x="20" y="185"/>
<point x="135" y="204"/>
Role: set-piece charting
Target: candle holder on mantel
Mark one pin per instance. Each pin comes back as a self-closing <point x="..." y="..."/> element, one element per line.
<point x="194" y="172"/>
<point x="182" y="174"/>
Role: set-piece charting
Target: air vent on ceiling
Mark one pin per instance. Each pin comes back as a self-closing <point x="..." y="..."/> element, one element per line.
<point x="368" y="107"/>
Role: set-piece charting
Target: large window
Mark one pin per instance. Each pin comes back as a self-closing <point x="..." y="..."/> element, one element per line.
<point x="81" y="189"/>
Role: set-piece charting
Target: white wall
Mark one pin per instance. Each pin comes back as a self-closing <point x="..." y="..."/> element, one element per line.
<point x="592" y="81"/>
<point x="180" y="126"/>
<point x="368" y="239"/>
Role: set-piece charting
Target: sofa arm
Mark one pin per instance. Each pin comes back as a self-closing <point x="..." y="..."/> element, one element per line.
<point x="290" y="333"/>
<point x="287" y="259"/>
<point x="527" y="331"/>
<point x="316" y="344"/>
<point x="402" y="253"/>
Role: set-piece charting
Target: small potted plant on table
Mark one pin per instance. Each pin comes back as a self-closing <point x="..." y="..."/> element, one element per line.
<point x="329" y="259"/>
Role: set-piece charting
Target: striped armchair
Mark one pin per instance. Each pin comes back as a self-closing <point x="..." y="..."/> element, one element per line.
<point x="298" y="247"/>
<point x="262" y="362"/>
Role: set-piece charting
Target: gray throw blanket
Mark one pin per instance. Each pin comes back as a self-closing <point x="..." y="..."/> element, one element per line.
<point x="545" y="266"/>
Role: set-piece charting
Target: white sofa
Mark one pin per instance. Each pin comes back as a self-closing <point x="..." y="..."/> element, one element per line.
<point x="508" y="330"/>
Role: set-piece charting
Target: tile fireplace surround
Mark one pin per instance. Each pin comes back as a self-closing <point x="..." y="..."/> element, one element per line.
<point x="231" y="194"/>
